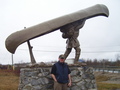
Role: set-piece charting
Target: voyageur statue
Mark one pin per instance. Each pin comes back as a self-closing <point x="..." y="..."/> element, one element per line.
<point x="71" y="32"/>
<point x="69" y="25"/>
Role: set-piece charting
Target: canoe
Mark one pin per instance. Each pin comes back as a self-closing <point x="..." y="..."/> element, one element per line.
<point x="19" y="37"/>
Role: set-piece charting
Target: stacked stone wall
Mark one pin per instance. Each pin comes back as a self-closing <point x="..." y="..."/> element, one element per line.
<point x="39" y="78"/>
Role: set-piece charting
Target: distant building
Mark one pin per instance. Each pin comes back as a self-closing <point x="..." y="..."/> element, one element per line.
<point x="70" y="61"/>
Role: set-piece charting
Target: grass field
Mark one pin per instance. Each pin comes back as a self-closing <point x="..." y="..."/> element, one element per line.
<point x="102" y="78"/>
<point x="108" y="86"/>
<point x="9" y="80"/>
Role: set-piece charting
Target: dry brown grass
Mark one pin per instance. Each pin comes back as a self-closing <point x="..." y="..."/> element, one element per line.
<point x="8" y="80"/>
<point x="104" y="81"/>
<point x="108" y="86"/>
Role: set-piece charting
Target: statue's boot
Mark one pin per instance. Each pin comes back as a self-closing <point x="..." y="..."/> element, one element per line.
<point x="77" y="55"/>
<point x="76" y="59"/>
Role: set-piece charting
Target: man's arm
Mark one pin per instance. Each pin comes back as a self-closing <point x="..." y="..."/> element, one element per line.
<point x="54" y="78"/>
<point x="53" y="71"/>
<point x="70" y="81"/>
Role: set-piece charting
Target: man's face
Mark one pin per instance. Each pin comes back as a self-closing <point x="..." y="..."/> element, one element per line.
<point x="61" y="60"/>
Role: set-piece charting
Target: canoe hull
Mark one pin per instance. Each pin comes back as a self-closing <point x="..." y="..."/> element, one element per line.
<point x="19" y="37"/>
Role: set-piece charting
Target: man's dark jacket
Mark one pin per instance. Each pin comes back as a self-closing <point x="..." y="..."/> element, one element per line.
<point x="61" y="71"/>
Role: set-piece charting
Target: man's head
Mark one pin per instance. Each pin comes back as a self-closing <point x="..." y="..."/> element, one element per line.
<point x="61" y="58"/>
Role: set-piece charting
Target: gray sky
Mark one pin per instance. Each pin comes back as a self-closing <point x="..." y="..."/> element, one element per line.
<point x="99" y="38"/>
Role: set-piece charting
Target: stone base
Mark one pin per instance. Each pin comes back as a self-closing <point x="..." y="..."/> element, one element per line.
<point x="39" y="78"/>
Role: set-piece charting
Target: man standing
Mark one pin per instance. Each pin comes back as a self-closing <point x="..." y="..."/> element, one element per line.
<point x="61" y="74"/>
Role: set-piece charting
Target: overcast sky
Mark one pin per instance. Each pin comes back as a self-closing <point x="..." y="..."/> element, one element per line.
<point x="99" y="38"/>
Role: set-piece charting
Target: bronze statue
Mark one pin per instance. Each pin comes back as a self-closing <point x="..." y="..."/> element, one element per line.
<point x="68" y="24"/>
<point x="71" y="32"/>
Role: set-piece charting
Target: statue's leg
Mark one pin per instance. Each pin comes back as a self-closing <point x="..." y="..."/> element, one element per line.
<point x="77" y="54"/>
<point x="67" y="52"/>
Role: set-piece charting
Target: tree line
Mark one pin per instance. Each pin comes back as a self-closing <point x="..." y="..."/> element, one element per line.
<point x="104" y="63"/>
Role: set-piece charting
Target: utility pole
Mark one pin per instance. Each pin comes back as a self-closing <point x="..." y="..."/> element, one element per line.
<point x="12" y="62"/>
<point x="103" y="66"/>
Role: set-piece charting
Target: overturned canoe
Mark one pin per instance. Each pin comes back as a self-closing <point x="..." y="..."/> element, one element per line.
<point x="19" y="37"/>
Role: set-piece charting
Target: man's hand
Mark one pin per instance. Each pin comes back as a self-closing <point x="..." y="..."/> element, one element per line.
<point x="69" y="84"/>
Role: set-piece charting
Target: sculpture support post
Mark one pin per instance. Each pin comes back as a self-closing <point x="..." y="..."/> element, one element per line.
<point x="31" y="53"/>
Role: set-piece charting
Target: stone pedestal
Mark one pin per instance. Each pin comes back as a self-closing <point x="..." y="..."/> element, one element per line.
<point x="39" y="78"/>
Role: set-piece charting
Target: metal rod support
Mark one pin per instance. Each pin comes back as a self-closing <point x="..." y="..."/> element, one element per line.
<point x="31" y="53"/>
